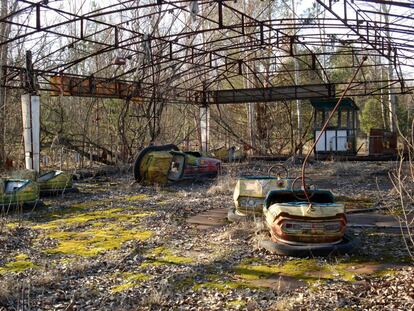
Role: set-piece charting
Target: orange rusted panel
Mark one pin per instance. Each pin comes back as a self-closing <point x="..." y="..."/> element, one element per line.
<point x="92" y="87"/>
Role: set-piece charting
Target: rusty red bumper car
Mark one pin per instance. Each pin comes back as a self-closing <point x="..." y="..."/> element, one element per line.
<point x="166" y="163"/>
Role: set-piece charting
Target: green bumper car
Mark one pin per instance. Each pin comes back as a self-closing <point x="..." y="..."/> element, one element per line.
<point x="18" y="192"/>
<point x="55" y="182"/>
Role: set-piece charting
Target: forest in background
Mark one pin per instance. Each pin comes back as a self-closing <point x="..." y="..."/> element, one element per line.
<point x="113" y="130"/>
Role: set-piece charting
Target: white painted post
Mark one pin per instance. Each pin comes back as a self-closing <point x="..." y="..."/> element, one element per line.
<point x="204" y="127"/>
<point x="31" y="131"/>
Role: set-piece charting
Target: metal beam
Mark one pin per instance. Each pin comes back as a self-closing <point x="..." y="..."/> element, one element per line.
<point x="271" y="94"/>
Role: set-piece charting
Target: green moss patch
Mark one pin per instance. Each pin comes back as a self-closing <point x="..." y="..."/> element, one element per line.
<point x="163" y="256"/>
<point x="221" y="285"/>
<point x="135" y="198"/>
<point x="238" y="303"/>
<point x="94" y="241"/>
<point x="131" y="279"/>
<point x="304" y="269"/>
<point x="17" y="266"/>
<point x="20" y="257"/>
<point x="83" y="218"/>
<point x="309" y="270"/>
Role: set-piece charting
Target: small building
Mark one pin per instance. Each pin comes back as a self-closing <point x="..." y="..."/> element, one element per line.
<point x="340" y="135"/>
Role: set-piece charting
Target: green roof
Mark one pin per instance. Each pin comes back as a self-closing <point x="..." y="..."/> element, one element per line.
<point x="329" y="104"/>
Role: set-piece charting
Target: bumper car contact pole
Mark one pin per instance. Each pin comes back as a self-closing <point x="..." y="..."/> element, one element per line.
<point x="323" y="130"/>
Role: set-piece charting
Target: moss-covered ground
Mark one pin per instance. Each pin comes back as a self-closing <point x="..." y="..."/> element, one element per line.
<point x="120" y="245"/>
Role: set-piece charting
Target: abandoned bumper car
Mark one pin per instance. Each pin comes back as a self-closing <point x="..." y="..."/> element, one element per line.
<point x="24" y="189"/>
<point x="55" y="182"/>
<point x="251" y="190"/>
<point x="301" y="222"/>
<point x="50" y="182"/>
<point x="161" y="164"/>
<point x="305" y="223"/>
<point x="18" y="192"/>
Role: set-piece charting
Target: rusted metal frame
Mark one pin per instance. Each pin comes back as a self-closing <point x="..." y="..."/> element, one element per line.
<point x="145" y="90"/>
<point x="17" y="12"/>
<point x="102" y="51"/>
<point x="392" y="46"/>
<point x="204" y="83"/>
<point x="304" y="44"/>
<point x="402" y="29"/>
<point x="326" y="68"/>
<point x="373" y="82"/>
<point x="255" y="72"/>
<point x="94" y="14"/>
<point x="400" y="46"/>
<point x="257" y="46"/>
<point x="254" y="49"/>
<point x="213" y="80"/>
<point x="107" y="13"/>
<point x="358" y="92"/>
<point x="205" y="52"/>
<point x="167" y="60"/>
<point x="274" y="29"/>
<point x="363" y="92"/>
<point x="397" y="28"/>
<point x="356" y="30"/>
<point x="353" y="87"/>
<point x="110" y="26"/>
<point x="100" y="12"/>
<point x="392" y="3"/>
<point x="209" y="69"/>
<point x="185" y="9"/>
<point x="47" y="30"/>
<point x="45" y="74"/>
<point x="76" y="18"/>
<point x="389" y="14"/>
<point x="127" y="40"/>
<point x="383" y="88"/>
<point x="203" y="73"/>
<point x="256" y="23"/>
<point x="190" y="69"/>
<point x="233" y="28"/>
<point x="270" y="94"/>
<point x="93" y="34"/>
<point x="117" y="28"/>
<point x="240" y="44"/>
<point x="70" y="37"/>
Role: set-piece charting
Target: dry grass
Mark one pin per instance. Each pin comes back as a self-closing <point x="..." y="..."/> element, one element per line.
<point x="158" y="296"/>
<point x="6" y="292"/>
<point x="47" y="278"/>
<point x="224" y="185"/>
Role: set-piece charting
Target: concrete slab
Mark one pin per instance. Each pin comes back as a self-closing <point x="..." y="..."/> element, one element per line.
<point x="209" y="219"/>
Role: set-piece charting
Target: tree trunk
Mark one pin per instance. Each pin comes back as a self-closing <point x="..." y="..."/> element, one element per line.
<point x="392" y="99"/>
<point x="3" y="61"/>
